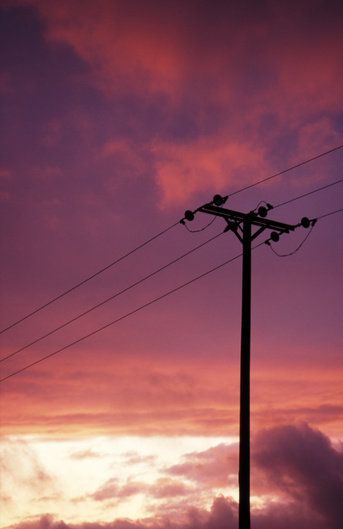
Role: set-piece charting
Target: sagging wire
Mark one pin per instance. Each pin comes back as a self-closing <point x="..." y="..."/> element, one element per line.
<point x="267" y="206"/>
<point x="218" y="201"/>
<point x="275" y="239"/>
<point x="200" y="229"/>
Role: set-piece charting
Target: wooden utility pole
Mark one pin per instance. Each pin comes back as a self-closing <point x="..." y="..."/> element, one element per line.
<point x="241" y="224"/>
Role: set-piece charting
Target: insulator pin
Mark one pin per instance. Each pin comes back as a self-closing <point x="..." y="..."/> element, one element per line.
<point x="305" y="222"/>
<point x="274" y="236"/>
<point x="189" y="215"/>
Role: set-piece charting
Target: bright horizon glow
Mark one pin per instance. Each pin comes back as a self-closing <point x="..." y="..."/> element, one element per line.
<point x="85" y="464"/>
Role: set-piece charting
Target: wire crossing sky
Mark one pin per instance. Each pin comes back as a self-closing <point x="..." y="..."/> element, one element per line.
<point x="166" y="230"/>
<point x="147" y="304"/>
<point x="142" y="280"/>
<point x="87" y="279"/>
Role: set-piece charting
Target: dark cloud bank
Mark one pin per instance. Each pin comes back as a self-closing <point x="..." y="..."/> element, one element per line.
<point x="297" y="464"/>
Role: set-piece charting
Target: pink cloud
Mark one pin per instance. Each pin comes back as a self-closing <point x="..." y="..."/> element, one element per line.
<point x="268" y="66"/>
<point x="204" y="165"/>
<point x="216" y="467"/>
<point x="87" y="454"/>
<point x="295" y="469"/>
<point x="298" y="462"/>
<point x="147" y="44"/>
<point x="128" y="159"/>
<point x="166" y="487"/>
<point x="165" y="46"/>
<point x="296" y="466"/>
<point x="112" y="490"/>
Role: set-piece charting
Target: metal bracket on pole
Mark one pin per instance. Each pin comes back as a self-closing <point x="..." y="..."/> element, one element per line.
<point x="256" y="220"/>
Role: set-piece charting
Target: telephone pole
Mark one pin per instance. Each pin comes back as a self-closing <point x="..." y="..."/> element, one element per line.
<point x="241" y="224"/>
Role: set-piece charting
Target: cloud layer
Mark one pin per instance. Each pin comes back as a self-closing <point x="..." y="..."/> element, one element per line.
<point x="208" y="93"/>
<point x="296" y="472"/>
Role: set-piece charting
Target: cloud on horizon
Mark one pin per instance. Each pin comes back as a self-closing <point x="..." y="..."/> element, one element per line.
<point x="296" y="472"/>
<point x="302" y="464"/>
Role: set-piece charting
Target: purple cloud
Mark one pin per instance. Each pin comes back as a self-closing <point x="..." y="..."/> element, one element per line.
<point x="302" y="463"/>
<point x="300" y="471"/>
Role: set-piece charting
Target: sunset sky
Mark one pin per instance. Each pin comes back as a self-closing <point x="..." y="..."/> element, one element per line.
<point x="116" y="117"/>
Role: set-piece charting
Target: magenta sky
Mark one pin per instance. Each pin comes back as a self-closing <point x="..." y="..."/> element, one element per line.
<point x="116" y="117"/>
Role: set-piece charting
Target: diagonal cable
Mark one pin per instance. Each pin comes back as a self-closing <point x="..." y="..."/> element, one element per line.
<point x="122" y="317"/>
<point x="111" y="297"/>
<point x="155" y="237"/>
<point x="300" y="164"/>
<point x="87" y="279"/>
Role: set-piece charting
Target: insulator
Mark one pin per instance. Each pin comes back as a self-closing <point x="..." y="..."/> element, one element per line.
<point x="189" y="215"/>
<point x="274" y="236"/>
<point x="231" y="226"/>
<point x="218" y="200"/>
<point x="305" y="222"/>
<point x="262" y="211"/>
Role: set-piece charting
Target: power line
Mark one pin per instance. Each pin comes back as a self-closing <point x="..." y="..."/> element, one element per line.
<point x="87" y="279"/>
<point x="142" y="307"/>
<point x="111" y="297"/>
<point x="331" y="213"/>
<point x="155" y="237"/>
<point x="158" y="271"/>
<point x="300" y="164"/>
<point x="161" y="269"/>
<point x="121" y="318"/>
<point x="307" y="236"/>
<point x="309" y="193"/>
<point x="200" y="229"/>
<point x="294" y="251"/>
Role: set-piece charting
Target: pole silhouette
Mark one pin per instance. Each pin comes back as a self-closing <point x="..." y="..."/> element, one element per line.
<point x="241" y="225"/>
<point x="244" y="414"/>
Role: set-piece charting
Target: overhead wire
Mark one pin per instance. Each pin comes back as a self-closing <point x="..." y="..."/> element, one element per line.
<point x="200" y="229"/>
<point x="163" y="268"/>
<point x="121" y="318"/>
<point x="88" y="279"/>
<point x="300" y="164"/>
<point x="68" y="291"/>
<point x="308" y="194"/>
<point x="307" y="236"/>
<point x="329" y="214"/>
<point x="312" y="223"/>
<point x="112" y="297"/>
<point x="294" y="251"/>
